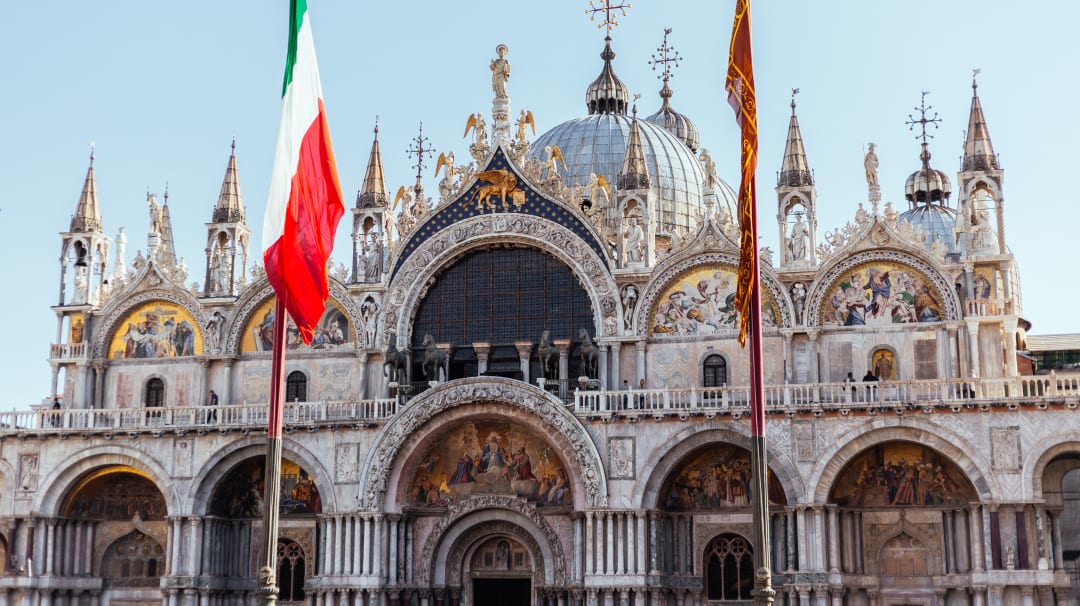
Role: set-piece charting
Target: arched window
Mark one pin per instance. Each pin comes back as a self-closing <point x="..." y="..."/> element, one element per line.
<point x="729" y="568"/>
<point x="714" y="371"/>
<point x="290" y="566"/>
<point x="155" y="393"/>
<point x="135" y="560"/>
<point x="296" y="387"/>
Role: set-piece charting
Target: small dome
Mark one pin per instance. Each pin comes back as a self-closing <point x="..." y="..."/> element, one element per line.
<point x="597" y="144"/>
<point x="938" y="223"/>
<point x="675" y="123"/>
<point x="607" y="94"/>
<point x="927" y="185"/>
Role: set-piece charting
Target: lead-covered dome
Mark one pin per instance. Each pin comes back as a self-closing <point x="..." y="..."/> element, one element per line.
<point x="597" y="144"/>
<point x="927" y="191"/>
<point x="675" y="123"/>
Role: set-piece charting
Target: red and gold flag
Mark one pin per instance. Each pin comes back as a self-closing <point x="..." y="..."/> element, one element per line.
<point x="741" y="96"/>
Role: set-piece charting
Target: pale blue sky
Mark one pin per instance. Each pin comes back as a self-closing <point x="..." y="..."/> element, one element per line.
<point x="162" y="87"/>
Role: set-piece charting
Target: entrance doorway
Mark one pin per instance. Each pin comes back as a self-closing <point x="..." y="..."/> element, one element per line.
<point x="502" y="591"/>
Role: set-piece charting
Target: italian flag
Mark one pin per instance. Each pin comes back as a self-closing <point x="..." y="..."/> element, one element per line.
<point x="305" y="202"/>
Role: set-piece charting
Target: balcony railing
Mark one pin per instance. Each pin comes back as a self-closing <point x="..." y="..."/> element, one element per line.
<point x="989" y="307"/>
<point x="820" y="398"/>
<point x="67" y="351"/>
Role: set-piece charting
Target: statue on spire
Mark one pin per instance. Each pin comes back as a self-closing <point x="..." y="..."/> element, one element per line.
<point x="500" y="72"/>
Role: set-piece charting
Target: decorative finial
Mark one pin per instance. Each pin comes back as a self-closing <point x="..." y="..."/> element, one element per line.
<point x="234" y="143"/>
<point x="607" y="7"/>
<point x="794" y="92"/>
<point x="636" y="97"/>
<point x="974" y="73"/>
<point x="166" y="194"/>
<point x="376" y="126"/>
<point x="922" y="122"/>
<point x="91" y="154"/>
<point x="668" y="57"/>
<point x="419" y="147"/>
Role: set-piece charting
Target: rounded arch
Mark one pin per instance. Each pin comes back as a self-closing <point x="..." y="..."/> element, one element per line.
<point x="904" y="429"/>
<point x="225" y="460"/>
<point x="835" y="269"/>
<point x="56" y="486"/>
<point x="877" y="544"/>
<point x="887" y="351"/>
<point x="712" y="368"/>
<point x="439" y="251"/>
<point x="1043" y="453"/>
<point x="149" y="386"/>
<point x="474" y="519"/>
<point x="384" y="465"/>
<point x="666" y="275"/>
<point x="260" y="292"/>
<point x="672" y="453"/>
<point x="119" y="309"/>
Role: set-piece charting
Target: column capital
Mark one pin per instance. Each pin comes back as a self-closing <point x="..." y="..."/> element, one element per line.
<point x="524" y="349"/>
<point x="482" y="349"/>
<point x="563" y="345"/>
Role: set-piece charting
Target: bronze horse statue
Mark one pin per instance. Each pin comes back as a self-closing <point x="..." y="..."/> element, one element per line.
<point x="549" y="357"/>
<point x="435" y="359"/>
<point x="397" y="361"/>
<point x="590" y="354"/>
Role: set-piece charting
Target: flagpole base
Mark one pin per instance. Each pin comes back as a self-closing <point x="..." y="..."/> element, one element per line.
<point x="267" y="592"/>
<point x="763" y="593"/>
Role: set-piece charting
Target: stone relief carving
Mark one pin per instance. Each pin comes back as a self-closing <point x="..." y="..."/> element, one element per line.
<point x="621" y="454"/>
<point x="802" y="434"/>
<point x="380" y="460"/>
<point x="28" y="472"/>
<point x="346" y="458"/>
<point x="183" y="457"/>
<point x="478" y="503"/>
<point x="1005" y="448"/>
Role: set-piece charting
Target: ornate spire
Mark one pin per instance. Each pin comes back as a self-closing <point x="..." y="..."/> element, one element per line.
<point x="373" y="193"/>
<point x="978" y="151"/>
<point x="167" y="250"/>
<point x="87" y="216"/>
<point x="607" y="94"/>
<point x="230" y="204"/>
<point x="634" y="173"/>
<point x="795" y="170"/>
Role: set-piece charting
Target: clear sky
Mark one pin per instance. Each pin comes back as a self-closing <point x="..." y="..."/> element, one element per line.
<point x="161" y="88"/>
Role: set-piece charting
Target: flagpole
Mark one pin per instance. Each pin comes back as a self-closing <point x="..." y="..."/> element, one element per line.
<point x="267" y="591"/>
<point x="763" y="592"/>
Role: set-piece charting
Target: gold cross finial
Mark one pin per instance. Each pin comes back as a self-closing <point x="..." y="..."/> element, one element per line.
<point x="668" y="57"/>
<point x="607" y="7"/>
<point x="419" y="147"/>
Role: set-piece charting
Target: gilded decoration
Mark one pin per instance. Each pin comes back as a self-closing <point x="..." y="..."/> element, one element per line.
<point x="701" y="301"/>
<point x="881" y="292"/>
<point x="115" y="493"/>
<point x="156" y="329"/>
<point x="881" y="288"/>
<point x="715" y="477"/>
<point x="333" y="332"/>
<point x="240" y="493"/>
<point x="493" y="458"/>
<point x="579" y="449"/>
<point x="901" y="474"/>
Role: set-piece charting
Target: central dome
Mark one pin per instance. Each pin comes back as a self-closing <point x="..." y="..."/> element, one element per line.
<point x="597" y="144"/>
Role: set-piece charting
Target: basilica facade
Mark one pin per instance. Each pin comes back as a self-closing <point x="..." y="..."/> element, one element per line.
<point x="528" y="390"/>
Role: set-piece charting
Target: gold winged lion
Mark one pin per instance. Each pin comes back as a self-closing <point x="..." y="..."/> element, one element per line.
<point x="502" y="183"/>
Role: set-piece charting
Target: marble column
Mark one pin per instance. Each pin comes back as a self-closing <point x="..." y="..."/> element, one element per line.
<point x="1010" y="346"/>
<point x="819" y="539"/>
<point x="978" y="560"/>
<point x="616" y="362"/>
<point x="603" y="364"/>
<point x="640" y="347"/>
<point x="524" y="351"/>
<point x="226" y="381"/>
<point x="834" y="539"/>
<point x="812" y="352"/>
<point x="590" y="542"/>
<point x="973" y="349"/>
<point x="563" y="345"/>
<point x="482" y="351"/>
<point x="641" y="542"/>
<point x="99" y="382"/>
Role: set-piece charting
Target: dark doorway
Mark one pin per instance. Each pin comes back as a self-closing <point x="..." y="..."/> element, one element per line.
<point x="502" y="592"/>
